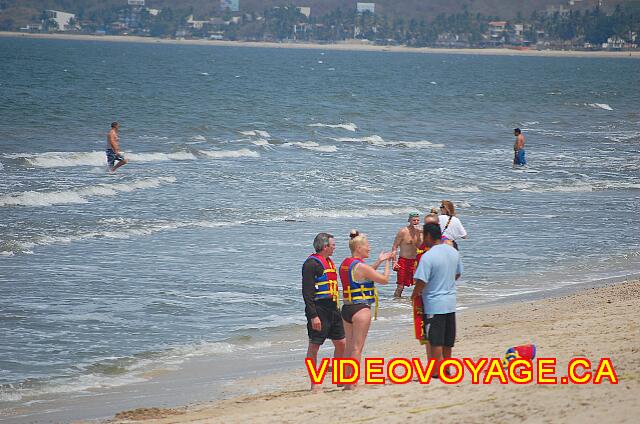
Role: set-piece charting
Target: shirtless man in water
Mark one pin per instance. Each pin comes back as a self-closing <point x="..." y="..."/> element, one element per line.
<point x="518" y="149"/>
<point x="408" y="239"/>
<point x="113" y="149"/>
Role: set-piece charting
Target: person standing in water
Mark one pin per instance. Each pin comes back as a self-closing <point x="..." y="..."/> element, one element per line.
<point x="113" y="149"/>
<point x="518" y="149"/>
<point x="408" y="239"/>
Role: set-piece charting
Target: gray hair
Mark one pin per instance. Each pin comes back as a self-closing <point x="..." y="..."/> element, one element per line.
<point x="321" y="241"/>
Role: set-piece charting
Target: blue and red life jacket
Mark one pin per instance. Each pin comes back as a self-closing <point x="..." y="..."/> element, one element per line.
<point x="327" y="283"/>
<point x="357" y="291"/>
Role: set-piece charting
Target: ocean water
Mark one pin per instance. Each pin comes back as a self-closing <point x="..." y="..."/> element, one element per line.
<point x="239" y="156"/>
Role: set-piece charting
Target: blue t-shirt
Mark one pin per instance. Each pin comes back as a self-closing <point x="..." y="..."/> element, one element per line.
<point x="438" y="268"/>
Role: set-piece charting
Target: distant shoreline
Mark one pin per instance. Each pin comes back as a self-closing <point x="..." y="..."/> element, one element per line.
<point x="344" y="46"/>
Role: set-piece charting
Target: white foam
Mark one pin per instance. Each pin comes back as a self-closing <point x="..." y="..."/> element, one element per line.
<point x="73" y="159"/>
<point x="376" y="140"/>
<point x="312" y="145"/>
<point x="601" y="106"/>
<point x="578" y="188"/>
<point x="349" y="213"/>
<point x="160" y="157"/>
<point x="64" y="159"/>
<point x="350" y="126"/>
<point x="373" y="139"/>
<point x="261" y="142"/>
<point x="220" y="154"/>
<point x="256" y="133"/>
<point x="413" y="144"/>
<point x="34" y="198"/>
<point x="460" y="189"/>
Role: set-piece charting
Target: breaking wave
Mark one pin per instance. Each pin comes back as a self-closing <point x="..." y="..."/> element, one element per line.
<point x="312" y="145"/>
<point x="74" y="159"/>
<point x="376" y="140"/>
<point x="349" y="126"/>
<point x="37" y="198"/>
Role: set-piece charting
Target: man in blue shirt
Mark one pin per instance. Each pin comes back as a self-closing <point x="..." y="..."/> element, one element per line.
<point x="435" y="278"/>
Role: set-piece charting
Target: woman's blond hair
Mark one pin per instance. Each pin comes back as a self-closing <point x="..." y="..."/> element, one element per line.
<point x="356" y="239"/>
<point x="448" y="207"/>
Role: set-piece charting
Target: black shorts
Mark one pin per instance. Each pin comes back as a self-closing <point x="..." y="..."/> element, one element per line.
<point x="348" y="311"/>
<point x="332" y="327"/>
<point x="440" y="329"/>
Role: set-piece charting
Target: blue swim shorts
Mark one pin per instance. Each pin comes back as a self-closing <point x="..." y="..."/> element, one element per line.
<point x="112" y="157"/>
<point x="519" y="158"/>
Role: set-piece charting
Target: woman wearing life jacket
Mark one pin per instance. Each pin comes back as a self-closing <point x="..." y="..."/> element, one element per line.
<point x="450" y="225"/>
<point x="359" y="292"/>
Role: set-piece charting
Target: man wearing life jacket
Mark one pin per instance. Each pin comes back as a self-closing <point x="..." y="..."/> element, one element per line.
<point x="436" y="276"/>
<point x="408" y="239"/>
<point x="320" y="294"/>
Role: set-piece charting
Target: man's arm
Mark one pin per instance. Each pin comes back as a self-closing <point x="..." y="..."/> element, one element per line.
<point x="396" y="243"/>
<point x="309" y="273"/>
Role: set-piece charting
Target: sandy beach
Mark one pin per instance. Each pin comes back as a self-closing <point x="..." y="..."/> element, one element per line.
<point x="343" y="46"/>
<point x="593" y="323"/>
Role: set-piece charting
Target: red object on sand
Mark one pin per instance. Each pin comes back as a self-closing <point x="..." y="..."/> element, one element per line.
<point x="526" y="351"/>
<point x="418" y="320"/>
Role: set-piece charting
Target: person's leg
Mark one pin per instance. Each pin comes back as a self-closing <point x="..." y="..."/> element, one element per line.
<point x="449" y="336"/>
<point x="398" y="292"/>
<point x="337" y="334"/>
<point x="400" y="268"/>
<point x="339" y="348"/>
<point x="119" y="164"/>
<point x="312" y="353"/>
<point x="361" y="323"/>
<point x="435" y="335"/>
<point x="436" y="353"/>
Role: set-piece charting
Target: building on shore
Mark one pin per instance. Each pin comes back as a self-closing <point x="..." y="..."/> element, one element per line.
<point x="63" y="20"/>
<point x="366" y="7"/>
<point x="496" y="31"/>
<point x="306" y="11"/>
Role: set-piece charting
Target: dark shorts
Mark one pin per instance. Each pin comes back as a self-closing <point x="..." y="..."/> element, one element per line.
<point x="440" y="329"/>
<point x="348" y="311"/>
<point x="112" y="157"/>
<point x="332" y="327"/>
